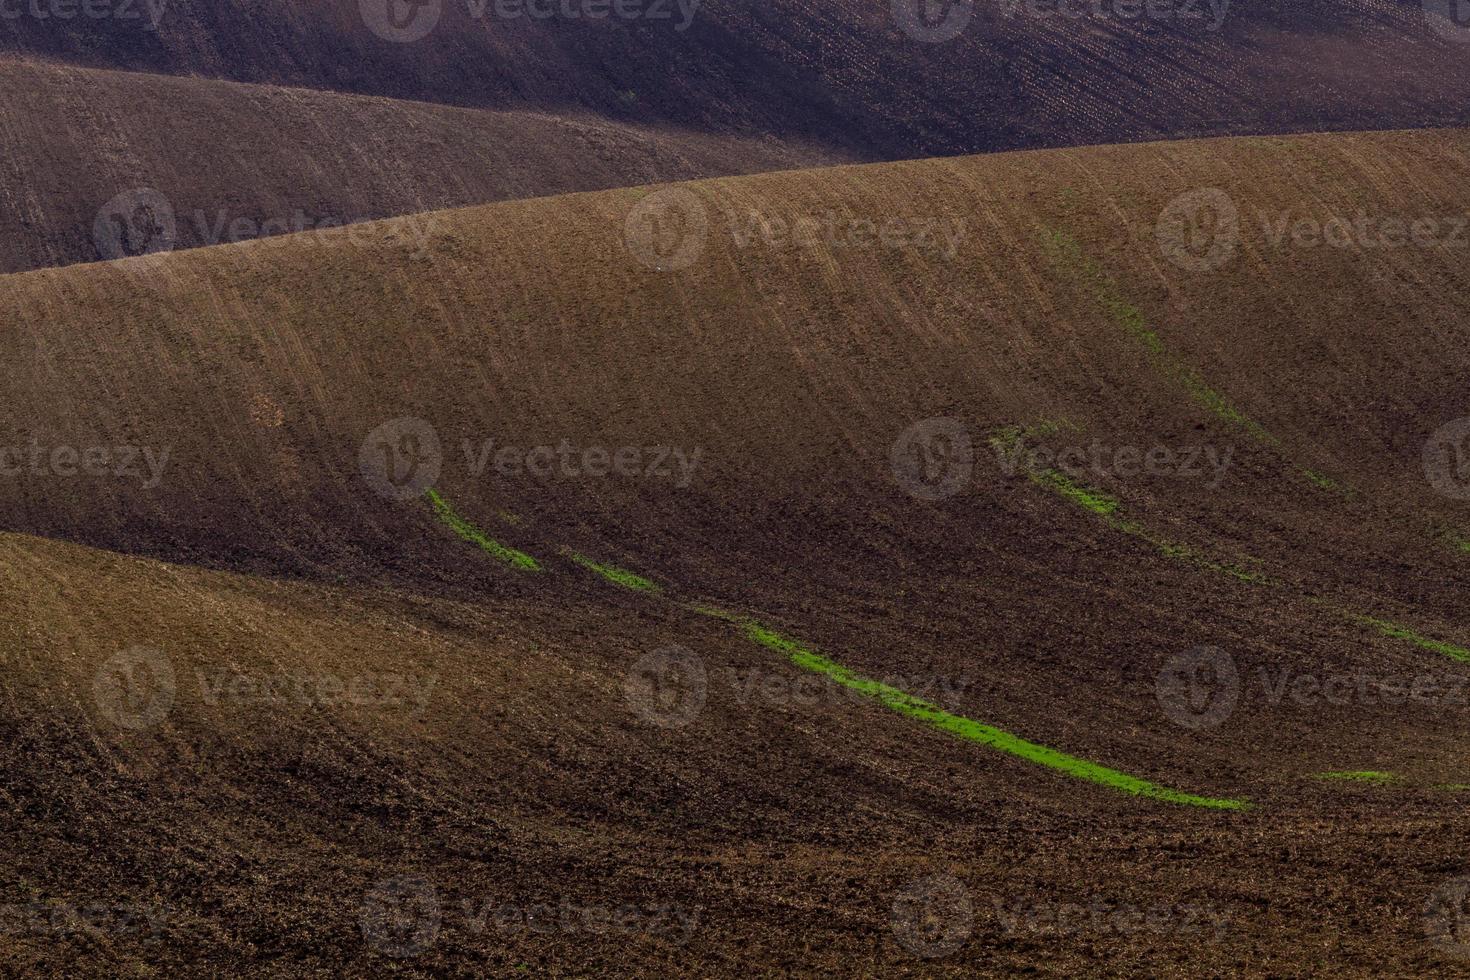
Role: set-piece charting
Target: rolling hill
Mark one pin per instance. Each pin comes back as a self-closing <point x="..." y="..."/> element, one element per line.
<point x="845" y="75"/>
<point x="752" y="535"/>
<point x="223" y="161"/>
<point x="211" y="122"/>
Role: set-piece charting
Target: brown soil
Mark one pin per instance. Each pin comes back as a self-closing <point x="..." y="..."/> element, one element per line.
<point x="839" y="73"/>
<point x="789" y="827"/>
<point x="236" y="161"/>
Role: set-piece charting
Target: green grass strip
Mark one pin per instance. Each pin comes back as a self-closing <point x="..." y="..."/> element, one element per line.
<point x="713" y="612"/>
<point x="974" y="731"/>
<point x="472" y="534"/>
<point x="1359" y="776"/>
<point x="1067" y="252"/>
<point x="1084" y="497"/>
<point x="1404" y="633"/>
<point x="615" y="575"/>
<point x="1220" y="406"/>
<point x="1107" y="507"/>
<point x="1012" y="438"/>
<point x="1172" y="549"/>
<point x="1324" y="482"/>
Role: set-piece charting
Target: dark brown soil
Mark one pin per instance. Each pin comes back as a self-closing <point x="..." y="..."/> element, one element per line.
<point x="233" y="162"/>
<point x="785" y="827"/>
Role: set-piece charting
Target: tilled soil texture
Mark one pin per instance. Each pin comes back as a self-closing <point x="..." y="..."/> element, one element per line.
<point x="106" y="164"/>
<point x="756" y="664"/>
<point x="132" y="126"/>
<point x="890" y="78"/>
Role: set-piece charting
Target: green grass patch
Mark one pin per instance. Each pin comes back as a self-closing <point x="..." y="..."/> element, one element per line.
<point x="1107" y="508"/>
<point x="472" y="534"/>
<point x="974" y="731"/>
<point x="1220" y="407"/>
<point x="612" y="573"/>
<point x="1404" y="633"/>
<point x="1084" y="497"/>
<point x="714" y="612"/>
<point x="1323" y="482"/>
<point x="1359" y="776"/>
<point x="1010" y="440"/>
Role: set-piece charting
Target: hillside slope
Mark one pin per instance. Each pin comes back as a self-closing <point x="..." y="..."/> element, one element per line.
<point x="888" y="640"/>
<point x="221" y="161"/>
<point x="204" y="770"/>
<point x="844" y="74"/>
<point x="551" y="318"/>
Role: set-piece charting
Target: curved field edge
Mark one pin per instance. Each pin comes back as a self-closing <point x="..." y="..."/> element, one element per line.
<point x="908" y="310"/>
<point x="80" y="141"/>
